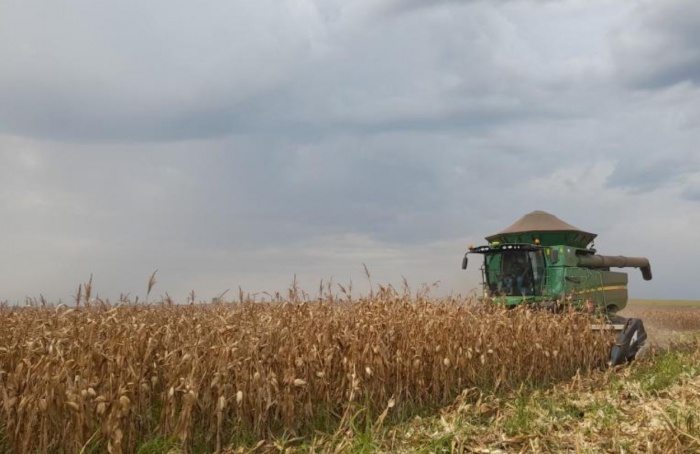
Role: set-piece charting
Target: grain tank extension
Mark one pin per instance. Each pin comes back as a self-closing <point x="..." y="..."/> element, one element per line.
<point x="542" y="261"/>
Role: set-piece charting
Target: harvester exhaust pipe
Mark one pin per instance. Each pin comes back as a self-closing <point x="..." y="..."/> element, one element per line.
<point x="609" y="261"/>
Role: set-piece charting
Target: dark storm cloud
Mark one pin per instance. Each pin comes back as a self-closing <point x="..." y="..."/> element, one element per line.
<point x="658" y="47"/>
<point x="131" y="71"/>
<point x="166" y="77"/>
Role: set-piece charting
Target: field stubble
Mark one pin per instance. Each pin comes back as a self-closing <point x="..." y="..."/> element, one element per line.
<point x="666" y="321"/>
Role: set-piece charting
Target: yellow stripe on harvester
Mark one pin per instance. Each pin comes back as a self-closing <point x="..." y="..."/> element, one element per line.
<point x="606" y="288"/>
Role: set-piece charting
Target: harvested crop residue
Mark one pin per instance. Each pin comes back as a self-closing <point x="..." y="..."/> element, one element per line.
<point x="666" y="324"/>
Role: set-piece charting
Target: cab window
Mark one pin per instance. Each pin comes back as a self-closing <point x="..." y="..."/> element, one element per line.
<point x="514" y="273"/>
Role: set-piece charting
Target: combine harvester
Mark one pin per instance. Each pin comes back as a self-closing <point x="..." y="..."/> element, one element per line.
<point x="543" y="262"/>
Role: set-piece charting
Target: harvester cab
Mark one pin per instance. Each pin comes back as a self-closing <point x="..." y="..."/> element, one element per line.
<point x="541" y="261"/>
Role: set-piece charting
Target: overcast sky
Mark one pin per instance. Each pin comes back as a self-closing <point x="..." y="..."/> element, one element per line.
<point x="231" y="143"/>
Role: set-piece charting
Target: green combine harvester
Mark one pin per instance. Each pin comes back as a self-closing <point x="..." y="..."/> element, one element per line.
<point x="543" y="262"/>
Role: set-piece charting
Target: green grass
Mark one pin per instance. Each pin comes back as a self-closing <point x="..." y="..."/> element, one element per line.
<point x="157" y="445"/>
<point x="666" y="370"/>
<point x="520" y="421"/>
<point x="605" y="412"/>
<point x="438" y="445"/>
<point x="685" y="419"/>
<point x="364" y="443"/>
<point x="4" y="446"/>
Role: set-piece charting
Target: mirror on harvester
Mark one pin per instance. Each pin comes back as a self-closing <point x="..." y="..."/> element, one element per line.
<point x="465" y="260"/>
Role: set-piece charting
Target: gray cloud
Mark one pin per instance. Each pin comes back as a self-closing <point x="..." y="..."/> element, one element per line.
<point x="128" y="70"/>
<point x="658" y="46"/>
<point x="165" y="76"/>
<point x="647" y="175"/>
<point x="692" y="192"/>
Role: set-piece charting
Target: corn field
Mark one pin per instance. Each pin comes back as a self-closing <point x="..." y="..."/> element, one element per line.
<point x="212" y="375"/>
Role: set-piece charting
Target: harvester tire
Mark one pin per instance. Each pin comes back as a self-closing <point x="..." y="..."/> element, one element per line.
<point x="628" y="342"/>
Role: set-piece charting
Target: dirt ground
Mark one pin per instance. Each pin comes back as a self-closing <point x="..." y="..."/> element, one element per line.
<point x="665" y="321"/>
